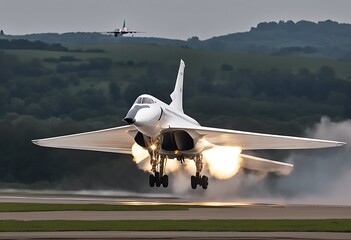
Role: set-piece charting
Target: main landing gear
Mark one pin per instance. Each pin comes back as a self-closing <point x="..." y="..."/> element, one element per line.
<point x="198" y="179"/>
<point x="158" y="166"/>
<point x="158" y="177"/>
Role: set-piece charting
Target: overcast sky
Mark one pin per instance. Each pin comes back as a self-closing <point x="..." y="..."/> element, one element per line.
<point x="177" y="19"/>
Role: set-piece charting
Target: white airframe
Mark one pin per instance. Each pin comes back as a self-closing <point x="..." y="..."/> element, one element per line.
<point x="167" y="133"/>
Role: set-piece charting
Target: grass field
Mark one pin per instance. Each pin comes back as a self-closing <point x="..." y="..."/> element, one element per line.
<point x="195" y="59"/>
<point x="330" y="225"/>
<point x="39" y="207"/>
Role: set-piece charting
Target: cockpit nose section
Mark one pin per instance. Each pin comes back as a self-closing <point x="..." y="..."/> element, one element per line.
<point x="130" y="118"/>
<point x="145" y="113"/>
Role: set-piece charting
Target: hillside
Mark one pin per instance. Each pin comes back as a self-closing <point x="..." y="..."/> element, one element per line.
<point x="328" y="38"/>
<point x="325" y="39"/>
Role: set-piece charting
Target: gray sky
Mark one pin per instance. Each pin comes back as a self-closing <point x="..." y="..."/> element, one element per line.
<point x="179" y="19"/>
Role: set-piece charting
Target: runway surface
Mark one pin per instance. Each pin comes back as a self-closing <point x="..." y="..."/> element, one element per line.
<point x="223" y="210"/>
<point x="203" y="213"/>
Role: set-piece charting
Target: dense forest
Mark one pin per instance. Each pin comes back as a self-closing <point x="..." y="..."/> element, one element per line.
<point x="48" y="95"/>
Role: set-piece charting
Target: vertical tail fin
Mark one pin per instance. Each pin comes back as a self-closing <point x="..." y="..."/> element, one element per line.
<point x="177" y="94"/>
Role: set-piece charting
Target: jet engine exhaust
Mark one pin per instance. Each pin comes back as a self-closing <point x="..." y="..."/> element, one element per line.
<point x="222" y="162"/>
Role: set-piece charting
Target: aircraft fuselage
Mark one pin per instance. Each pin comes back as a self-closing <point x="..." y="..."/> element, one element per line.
<point x="152" y="118"/>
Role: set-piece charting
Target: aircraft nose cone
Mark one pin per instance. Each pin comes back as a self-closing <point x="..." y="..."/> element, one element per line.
<point x="129" y="120"/>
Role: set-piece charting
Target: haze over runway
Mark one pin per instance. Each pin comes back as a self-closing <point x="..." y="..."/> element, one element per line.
<point x="168" y="19"/>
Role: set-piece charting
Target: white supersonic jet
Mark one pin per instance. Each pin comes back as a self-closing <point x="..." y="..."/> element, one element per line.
<point x="167" y="133"/>
<point x="122" y="31"/>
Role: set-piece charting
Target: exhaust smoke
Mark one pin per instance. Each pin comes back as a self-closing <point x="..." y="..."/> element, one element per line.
<point x="320" y="176"/>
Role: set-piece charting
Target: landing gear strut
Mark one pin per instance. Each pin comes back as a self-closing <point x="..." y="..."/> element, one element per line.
<point x="158" y="178"/>
<point x="198" y="179"/>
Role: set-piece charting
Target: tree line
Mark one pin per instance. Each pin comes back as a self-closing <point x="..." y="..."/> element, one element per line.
<point x="23" y="44"/>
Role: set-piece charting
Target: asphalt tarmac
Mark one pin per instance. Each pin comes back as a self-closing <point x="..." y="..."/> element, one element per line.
<point x="225" y="210"/>
<point x="241" y="212"/>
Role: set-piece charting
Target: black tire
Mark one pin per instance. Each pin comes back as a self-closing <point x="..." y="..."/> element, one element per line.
<point x="193" y="182"/>
<point x="157" y="179"/>
<point x="204" y="181"/>
<point x="164" y="181"/>
<point x="152" y="180"/>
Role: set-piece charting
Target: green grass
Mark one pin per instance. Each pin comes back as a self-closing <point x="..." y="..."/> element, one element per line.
<point x="41" y="207"/>
<point x="330" y="225"/>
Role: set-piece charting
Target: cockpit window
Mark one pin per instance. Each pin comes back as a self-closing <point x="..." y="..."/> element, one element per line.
<point x="148" y="100"/>
<point x="139" y="100"/>
<point x="144" y="100"/>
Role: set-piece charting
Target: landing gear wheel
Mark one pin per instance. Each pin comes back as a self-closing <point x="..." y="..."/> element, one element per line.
<point x="164" y="181"/>
<point x="204" y="182"/>
<point x="157" y="179"/>
<point x="193" y="182"/>
<point x="152" y="180"/>
<point x="198" y="179"/>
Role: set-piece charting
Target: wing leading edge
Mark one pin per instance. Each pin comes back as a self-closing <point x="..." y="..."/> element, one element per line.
<point x="115" y="140"/>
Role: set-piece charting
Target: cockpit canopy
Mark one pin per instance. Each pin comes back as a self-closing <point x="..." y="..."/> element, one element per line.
<point x="144" y="100"/>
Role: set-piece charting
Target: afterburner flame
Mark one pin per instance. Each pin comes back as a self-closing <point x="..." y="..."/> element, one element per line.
<point x="142" y="158"/>
<point x="222" y="162"/>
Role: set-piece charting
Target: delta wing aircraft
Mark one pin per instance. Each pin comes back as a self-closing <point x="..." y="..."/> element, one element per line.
<point x="166" y="132"/>
<point x="122" y="31"/>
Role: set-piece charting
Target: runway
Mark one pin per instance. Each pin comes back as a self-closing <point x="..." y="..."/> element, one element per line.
<point x="205" y="210"/>
<point x="202" y="213"/>
<point x="208" y="210"/>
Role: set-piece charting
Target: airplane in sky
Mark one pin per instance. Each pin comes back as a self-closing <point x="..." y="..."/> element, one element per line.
<point x="166" y="132"/>
<point x="122" y="31"/>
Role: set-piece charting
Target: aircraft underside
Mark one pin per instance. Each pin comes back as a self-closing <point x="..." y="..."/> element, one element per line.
<point x="159" y="177"/>
<point x="172" y="145"/>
